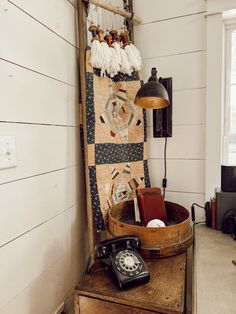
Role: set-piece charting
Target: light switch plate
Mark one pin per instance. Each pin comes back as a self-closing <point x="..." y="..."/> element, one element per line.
<point x="7" y="152"/>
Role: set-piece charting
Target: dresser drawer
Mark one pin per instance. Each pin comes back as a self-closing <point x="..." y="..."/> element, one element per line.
<point x="94" y="306"/>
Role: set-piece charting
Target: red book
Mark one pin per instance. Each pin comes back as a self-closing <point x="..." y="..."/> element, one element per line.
<point x="213" y="212"/>
<point x="151" y="205"/>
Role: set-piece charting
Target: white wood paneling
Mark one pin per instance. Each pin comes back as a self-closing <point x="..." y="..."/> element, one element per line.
<point x="188" y="107"/>
<point x="49" y="289"/>
<point x="155" y="10"/>
<point x="188" y="142"/>
<point x="182" y="175"/>
<point x="40" y="149"/>
<point x="187" y="70"/>
<point x="29" y="97"/>
<point x="214" y="102"/>
<point x="55" y="14"/>
<point x="220" y="5"/>
<point x="73" y="2"/>
<point x="171" y="37"/>
<point x="186" y="200"/>
<point x="43" y="225"/>
<point x="32" y="45"/>
<point x="35" y="200"/>
<point x="24" y="259"/>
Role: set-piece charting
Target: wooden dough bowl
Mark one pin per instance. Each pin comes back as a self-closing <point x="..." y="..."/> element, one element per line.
<point x="173" y="239"/>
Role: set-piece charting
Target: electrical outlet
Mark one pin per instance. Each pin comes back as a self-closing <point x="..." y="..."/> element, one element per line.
<point x="60" y="308"/>
<point x="7" y="152"/>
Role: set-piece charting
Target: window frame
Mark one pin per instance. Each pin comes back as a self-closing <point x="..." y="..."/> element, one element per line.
<point x="230" y="27"/>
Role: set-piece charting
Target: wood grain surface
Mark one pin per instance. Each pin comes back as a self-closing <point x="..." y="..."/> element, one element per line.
<point x="89" y="305"/>
<point x="174" y="239"/>
<point x="165" y="292"/>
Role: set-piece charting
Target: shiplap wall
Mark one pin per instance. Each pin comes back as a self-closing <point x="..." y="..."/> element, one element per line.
<point x="172" y="38"/>
<point x="42" y="212"/>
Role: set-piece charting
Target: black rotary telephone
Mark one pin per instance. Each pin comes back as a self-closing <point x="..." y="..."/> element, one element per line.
<point x="126" y="265"/>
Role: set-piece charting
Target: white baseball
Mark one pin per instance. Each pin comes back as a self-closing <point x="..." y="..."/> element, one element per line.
<point x="156" y="223"/>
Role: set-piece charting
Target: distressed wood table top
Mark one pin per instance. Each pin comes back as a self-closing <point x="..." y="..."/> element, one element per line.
<point x="165" y="292"/>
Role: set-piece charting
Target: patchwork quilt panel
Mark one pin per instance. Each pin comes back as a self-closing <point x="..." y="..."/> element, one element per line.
<point x="115" y="141"/>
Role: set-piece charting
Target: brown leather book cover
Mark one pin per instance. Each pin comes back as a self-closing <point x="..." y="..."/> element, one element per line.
<point x="151" y="205"/>
<point x="213" y="212"/>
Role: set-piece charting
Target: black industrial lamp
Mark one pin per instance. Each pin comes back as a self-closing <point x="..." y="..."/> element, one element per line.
<point x="152" y="95"/>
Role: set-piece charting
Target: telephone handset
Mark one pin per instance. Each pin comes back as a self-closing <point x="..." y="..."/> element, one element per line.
<point x="125" y="263"/>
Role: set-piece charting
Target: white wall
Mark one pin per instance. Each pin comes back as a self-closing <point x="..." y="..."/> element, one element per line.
<point x="172" y="38"/>
<point x="220" y="5"/>
<point x="42" y="221"/>
<point x="215" y="88"/>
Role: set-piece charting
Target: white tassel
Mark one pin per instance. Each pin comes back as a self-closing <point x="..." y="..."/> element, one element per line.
<point x="113" y="59"/>
<point x="133" y="56"/>
<point x="100" y="57"/>
<point x="137" y="54"/>
<point x="107" y="58"/>
<point x="96" y="54"/>
<point x="134" y="63"/>
<point x="114" y="65"/>
<point x="117" y="48"/>
<point x="125" y="66"/>
<point x="96" y="58"/>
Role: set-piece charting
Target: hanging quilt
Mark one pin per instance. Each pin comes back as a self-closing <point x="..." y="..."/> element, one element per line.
<point x="115" y="141"/>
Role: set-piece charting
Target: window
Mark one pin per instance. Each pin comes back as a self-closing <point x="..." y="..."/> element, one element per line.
<point x="229" y="152"/>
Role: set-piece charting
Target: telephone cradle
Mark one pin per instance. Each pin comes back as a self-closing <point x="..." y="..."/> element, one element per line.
<point x="126" y="266"/>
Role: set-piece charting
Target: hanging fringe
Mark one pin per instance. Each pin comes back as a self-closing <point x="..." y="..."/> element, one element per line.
<point x="114" y="67"/>
<point x="117" y="48"/>
<point x="122" y="59"/>
<point x="116" y="44"/>
<point x="137" y="54"/>
<point x="96" y="58"/>
<point x="109" y="56"/>
<point x="132" y="59"/>
<point x="125" y="65"/>
<point x="132" y="52"/>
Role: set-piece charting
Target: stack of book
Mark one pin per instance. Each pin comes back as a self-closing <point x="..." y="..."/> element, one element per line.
<point x="210" y="212"/>
<point x="151" y="205"/>
<point x="213" y="212"/>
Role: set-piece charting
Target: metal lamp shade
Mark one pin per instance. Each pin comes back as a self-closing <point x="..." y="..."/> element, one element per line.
<point x="152" y="95"/>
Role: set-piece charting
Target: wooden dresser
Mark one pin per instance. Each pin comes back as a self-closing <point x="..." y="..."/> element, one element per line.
<point x="165" y="292"/>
